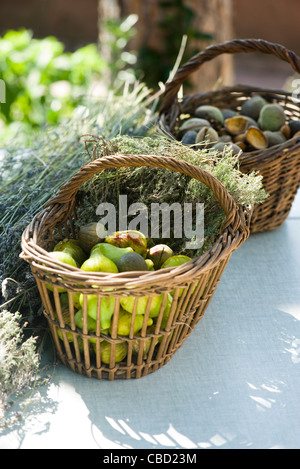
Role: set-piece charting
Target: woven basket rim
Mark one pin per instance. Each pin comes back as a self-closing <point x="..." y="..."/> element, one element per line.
<point x="228" y="241"/>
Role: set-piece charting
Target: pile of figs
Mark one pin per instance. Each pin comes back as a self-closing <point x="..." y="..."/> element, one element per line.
<point x="256" y="126"/>
<point x="122" y="251"/>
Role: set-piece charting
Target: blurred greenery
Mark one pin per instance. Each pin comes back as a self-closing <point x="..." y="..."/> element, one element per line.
<point x="44" y="83"/>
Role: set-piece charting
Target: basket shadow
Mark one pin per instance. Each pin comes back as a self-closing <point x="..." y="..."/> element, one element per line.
<point x="232" y="384"/>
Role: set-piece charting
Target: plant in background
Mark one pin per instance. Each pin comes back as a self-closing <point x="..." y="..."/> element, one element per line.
<point x="44" y="83"/>
<point x="178" y="21"/>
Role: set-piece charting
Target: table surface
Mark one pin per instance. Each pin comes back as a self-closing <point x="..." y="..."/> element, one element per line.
<point x="233" y="384"/>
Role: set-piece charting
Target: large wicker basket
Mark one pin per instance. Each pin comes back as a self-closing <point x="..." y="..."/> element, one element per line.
<point x="190" y="285"/>
<point x="280" y="164"/>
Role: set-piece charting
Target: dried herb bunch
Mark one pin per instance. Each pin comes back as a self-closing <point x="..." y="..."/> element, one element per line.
<point x="155" y="185"/>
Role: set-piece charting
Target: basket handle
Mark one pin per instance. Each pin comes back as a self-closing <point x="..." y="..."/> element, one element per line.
<point x="229" y="47"/>
<point x="68" y="191"/>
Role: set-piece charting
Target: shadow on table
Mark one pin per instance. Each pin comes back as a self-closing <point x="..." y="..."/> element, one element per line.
<point x="235" y="381"/>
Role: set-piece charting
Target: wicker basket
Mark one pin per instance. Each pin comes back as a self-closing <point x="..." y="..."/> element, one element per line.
<point x="279" y="165"/>
<point x="190" y="286"/>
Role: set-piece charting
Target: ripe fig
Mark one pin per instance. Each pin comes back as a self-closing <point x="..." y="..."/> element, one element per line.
<point x="132" y="238"/>
<point x="159" y="254"/>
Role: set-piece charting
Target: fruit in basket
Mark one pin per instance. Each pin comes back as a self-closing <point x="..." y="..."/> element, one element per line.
<point x="139" y="343"/>
<point x="252" y="106"/>
<point x="211" y="113"/>
<point x="125" y="320"/>
<point x="207" y="135"/>
<point x="256" y="138"/>
<point x="294" y="126"/>
<point x="64" y="257"/>
<point x="150" y="264"/>
<point x="88" y="236"/>
<point x="236" y="125"/>
<point x="106" y="308"/>
<point x="113" y="253"/>
<point x="91" y="323"/>
<point x="286" y="131"/>
<point x="67" y="322"/>
<point x="128" y="303"/>
<point x="72" y="247"/>
<point x="97" y="262"/>
<point x="64" y="299"/>
<point x="271" y="117"/>
<point x="274" y="138"/>
<point x="193" y="123"/>
<point x="159" y="254"/>
<point x="233" y="147"/>
<point x="228" y="113"/>
<point x="189" y="137"/>
<point x="176" y="260"/>
<point x="129" y="238"/>
<point x="120" y="351"/>
<point x="132" y="261"/>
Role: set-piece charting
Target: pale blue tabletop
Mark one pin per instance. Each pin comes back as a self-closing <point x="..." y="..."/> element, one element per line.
<point x="234" y="383"/>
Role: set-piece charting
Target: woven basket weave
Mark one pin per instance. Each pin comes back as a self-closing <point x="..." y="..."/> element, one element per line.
<point x="279" y="165"/>
<point x="192" y="284"/>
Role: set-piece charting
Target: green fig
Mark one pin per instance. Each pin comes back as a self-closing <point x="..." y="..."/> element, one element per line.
<point x="97" y="262"/>
<point x="129" y="238"/>
<point x="113" y="253"/>
<point x="150" y="264"/>
<point x="132" y="261"/>
<point x="174" y="262"/>
<point x="124" y="323"/>
<point x="107" y="308"/>
<point x="159" y="254"/>
<point x="64" y="300"/>
<point x="121" y="349"/>
<point x="64" y="257"/>
<point x="127" y="303"/>
<point x="72" y="247"/>
<point x="91" y="323"/>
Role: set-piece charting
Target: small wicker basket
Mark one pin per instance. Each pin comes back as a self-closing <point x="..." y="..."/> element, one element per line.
<point x="280" y="164"/>
<point x="190" y="285"/>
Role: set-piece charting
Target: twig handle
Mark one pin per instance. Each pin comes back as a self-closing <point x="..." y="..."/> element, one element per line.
<point x="69" y="190"/>
<point x="230" y="47"/>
